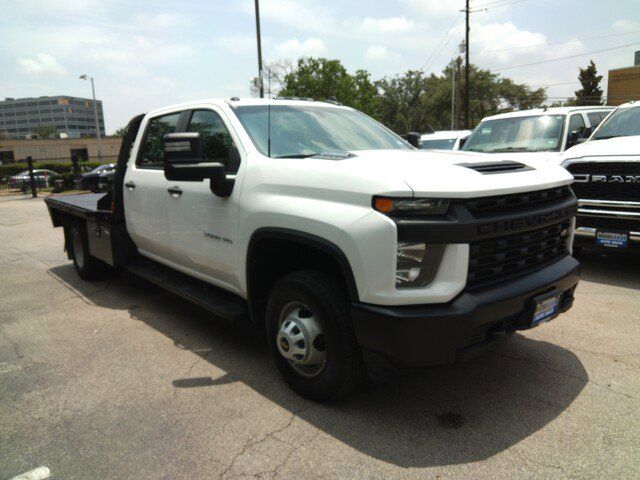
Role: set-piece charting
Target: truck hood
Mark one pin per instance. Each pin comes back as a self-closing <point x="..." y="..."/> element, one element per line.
<point x="451" y="174"/>
<point x="609" y="147"/>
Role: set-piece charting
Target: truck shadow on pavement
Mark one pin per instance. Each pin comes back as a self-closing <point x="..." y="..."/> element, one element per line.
<point x="450" y="415"/>
<point x="620" y="270"/>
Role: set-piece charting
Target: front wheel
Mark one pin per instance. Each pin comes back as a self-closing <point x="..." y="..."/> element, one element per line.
<point x="311" y="336"/>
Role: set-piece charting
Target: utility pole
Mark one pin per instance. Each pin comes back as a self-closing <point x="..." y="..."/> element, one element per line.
<point x="453" y="97"/>
<point x="95" y="113"/>
<point x="458" y="93"/>
<point x="466" y="69"/>
<point x="260" y="48"/>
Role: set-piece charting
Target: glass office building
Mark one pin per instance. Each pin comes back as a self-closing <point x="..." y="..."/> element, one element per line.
<point x="72" y="116"/>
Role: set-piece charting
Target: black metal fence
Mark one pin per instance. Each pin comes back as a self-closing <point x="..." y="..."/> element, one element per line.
<point x="30" y="176"/>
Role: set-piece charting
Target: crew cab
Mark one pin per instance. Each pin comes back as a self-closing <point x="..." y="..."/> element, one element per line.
<point x="331" y="232"/>
<point x="535" y="133"/>
<point x="606" y="169"/>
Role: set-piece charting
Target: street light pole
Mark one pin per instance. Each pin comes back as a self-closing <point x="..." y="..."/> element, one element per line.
<point x="95" y="113"/>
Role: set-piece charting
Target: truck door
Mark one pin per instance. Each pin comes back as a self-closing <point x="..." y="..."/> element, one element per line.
<point x="203" y="227"/>
<point x="145" y="190"/>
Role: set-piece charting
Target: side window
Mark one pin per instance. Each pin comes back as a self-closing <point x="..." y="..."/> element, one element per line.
<point x="218" y="144"/>
<point x="594" y="119"/>
<point x="150" y="155"/>
<point x="576" y="122"/>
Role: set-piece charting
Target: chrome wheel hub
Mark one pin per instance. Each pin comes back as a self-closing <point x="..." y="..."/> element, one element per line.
<point x="300" y="339"/>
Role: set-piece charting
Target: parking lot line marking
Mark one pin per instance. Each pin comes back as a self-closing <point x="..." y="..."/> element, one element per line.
<point x="39" y="473"/>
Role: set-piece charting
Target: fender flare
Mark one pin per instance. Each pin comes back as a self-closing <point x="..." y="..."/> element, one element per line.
<point x="308" y="239"/>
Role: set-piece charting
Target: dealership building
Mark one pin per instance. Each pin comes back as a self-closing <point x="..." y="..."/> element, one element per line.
<point x="71" y="116"/>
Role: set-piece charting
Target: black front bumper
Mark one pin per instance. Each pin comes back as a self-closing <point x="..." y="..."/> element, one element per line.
<point x="418" y="336"/>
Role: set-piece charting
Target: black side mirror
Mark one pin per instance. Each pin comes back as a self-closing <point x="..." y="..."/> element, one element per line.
<point x="183" y="159"/>
<point x="413" y="138"/>
<point x="582" y="140"/>
<point x="572" y="139"/>
<point x="586" y="133"/>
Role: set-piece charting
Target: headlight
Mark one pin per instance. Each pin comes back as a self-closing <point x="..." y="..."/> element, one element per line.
<point x="411" y="206"/>
<point x="417" y="263"/>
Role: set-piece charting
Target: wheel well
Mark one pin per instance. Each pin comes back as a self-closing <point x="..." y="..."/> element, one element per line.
<point x="275" y="254"/>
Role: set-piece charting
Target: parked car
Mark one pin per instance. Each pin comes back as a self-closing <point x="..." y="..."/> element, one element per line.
<point x="606" y="169"/>
<point x="43" y="179"/>
<point x="90" y="180"/>
<point x="332" y="234"/>
<point x="529" y="132"/>
<point x="444" y="140"/>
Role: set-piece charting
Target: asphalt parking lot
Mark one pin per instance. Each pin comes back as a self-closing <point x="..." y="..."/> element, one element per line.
<point x="120" y="380"/>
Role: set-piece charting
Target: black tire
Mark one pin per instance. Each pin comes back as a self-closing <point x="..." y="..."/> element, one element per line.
<point x="87" y="267"/>
<point x="324" y="295"/>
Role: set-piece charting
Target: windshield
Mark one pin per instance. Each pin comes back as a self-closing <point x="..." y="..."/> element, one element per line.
<point x="522" y="134"/>
<point x="624" y="122"/>
<point x="304" y="131"/>
<point x="442" y="144"/>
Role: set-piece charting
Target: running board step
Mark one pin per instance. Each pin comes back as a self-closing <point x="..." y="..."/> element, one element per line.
<point x="217" y="301"/>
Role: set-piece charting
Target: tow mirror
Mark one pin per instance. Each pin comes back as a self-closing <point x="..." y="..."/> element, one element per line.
<point x="413" y="138"/>
<point x="183" y="158"/>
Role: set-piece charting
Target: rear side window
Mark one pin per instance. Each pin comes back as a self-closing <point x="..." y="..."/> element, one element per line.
<point x="151" y="149"/>
<point x="218" y="144"/>
<point x="594" y="119"/>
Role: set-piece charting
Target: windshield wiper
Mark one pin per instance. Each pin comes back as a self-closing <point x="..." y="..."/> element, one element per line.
<point x="512" y="149"/>
<point x="298" y="155"/>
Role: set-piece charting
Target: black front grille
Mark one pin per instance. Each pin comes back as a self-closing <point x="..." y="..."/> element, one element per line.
<point x="515" y="202"/>
<point x="612" y="224"/>
<point x="606" y="190"/>
<point x="502" y="258"/>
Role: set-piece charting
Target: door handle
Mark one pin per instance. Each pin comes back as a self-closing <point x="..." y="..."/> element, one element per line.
<point x="175" y="191"/>
<point x="130" y="185"/>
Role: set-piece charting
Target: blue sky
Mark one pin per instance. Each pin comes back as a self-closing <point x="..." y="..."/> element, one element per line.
<point x="149" y="54"/>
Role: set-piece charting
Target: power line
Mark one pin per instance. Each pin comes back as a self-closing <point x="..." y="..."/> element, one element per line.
<point x="565" y="58"/>
<point x="560" y="43"/>
<point x="436" y="50"/>
<point x="490" y="6"/>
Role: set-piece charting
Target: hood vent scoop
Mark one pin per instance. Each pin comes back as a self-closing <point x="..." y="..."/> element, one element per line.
<point x="489" y="168"/>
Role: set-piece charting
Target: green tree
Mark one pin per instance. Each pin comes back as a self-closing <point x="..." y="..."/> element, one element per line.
<point x="412" y="101"/>
<point x="590" y="93"/>
<point x="44" y="131"/>
<point x="324" y="79"/>
<point x="119" y="132"/>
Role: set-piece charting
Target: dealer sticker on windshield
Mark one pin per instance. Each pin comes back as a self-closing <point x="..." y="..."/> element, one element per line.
<point x="545" y="309"/>
<point x="612" y="239"/>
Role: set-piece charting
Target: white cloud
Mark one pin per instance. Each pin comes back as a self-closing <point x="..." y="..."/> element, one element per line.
<point x="431" y="8"/>
<point x="160" y="21"/>
<point x="499" y="43"/>
<point x="385" y="25"/>
<point x="625" y="26"/>
<point x="304" y="15"/>
<point x="40" y="64"/>
<point x="293" y="48"/>
<point x="237" y="43"/>
<point x="377" y="53"/>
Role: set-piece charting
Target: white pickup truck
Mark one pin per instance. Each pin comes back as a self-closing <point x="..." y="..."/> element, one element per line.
<point x="357" y="252"/>
<point x="537" y="133"/>
<point x="606" y="169"/>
